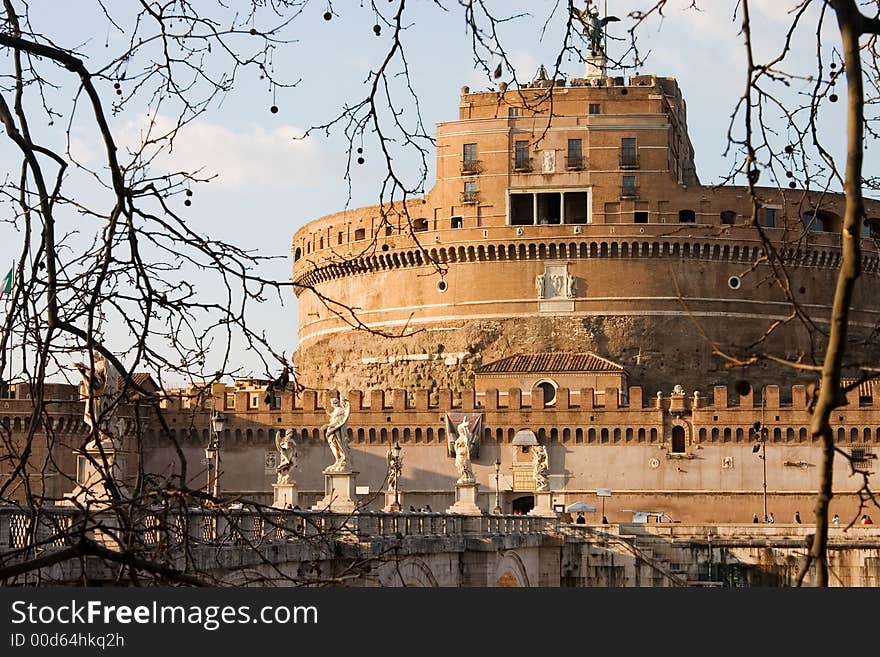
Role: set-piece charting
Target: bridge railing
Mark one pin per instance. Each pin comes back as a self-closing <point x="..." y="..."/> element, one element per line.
<point x="57" y="526"/>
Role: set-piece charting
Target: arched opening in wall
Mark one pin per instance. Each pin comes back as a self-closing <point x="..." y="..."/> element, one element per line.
<point x="727" y="436"/>
<point x="360" y="435"/>
<point x="429" y="435"/>
<point x="629" y="434"/>
<point x="640" y="436"/>
<point x="866" y="435"/>
<point x="522" y="505"/>
<point x="542" y="435"/>
<point x="714" y="434"/>
<point x="653" y="435"/>
<point x="616" y="434"/>
<point x="802" y="434"/>
<point x="566" y="435"/>
<point x="499" y="435"/>
<point x="678" y="443"/>
<point x="789" y="434"/>
<point x="441" y="435"/>
<point x="549" y="388"/>
<point x="383" y="435"/>
<point x="418" y="434"/>
<point x="777" y="435"/>
<point x="841" y="435"/>
<point x="487" y="435"/>
<point x="510" y="434"/>
<point x="554" y="435"/>
<point x="687" y="217"/>
<point x="701" y="435"/>
<point x="303" y="435"/>
<point x="728" y="217"/>
<point x="249" y="435"/>
<point x="579" y="435"/>
<point x="372" y="435"/>
<point x="603" y="435"/>
<point x="854" y="435"/>
<point x="297" y="254"/>
<point x="591" y="435"/>
<point x="740" y="434"/>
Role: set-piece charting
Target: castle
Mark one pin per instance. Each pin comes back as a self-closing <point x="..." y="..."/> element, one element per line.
<point x="565" y="283"/>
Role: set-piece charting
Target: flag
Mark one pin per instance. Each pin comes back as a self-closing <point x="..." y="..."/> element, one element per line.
<point x="6" y="285"/>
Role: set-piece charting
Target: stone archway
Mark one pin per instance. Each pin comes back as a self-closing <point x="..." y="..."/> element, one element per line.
<point x="681" y="435"/>
<point x="408" y="572"/>
<point x="511" y="571"/>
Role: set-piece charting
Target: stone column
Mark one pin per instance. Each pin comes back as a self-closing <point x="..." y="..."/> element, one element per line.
<point x="392" y="503"/>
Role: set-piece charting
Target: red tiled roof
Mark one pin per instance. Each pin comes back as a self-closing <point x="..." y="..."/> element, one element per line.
<point x="552" y="362"/>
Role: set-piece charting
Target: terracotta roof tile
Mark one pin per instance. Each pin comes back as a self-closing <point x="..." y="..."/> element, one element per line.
<point x="550" y="362"/>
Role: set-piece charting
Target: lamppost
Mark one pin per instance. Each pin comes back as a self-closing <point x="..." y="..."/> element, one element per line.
<point x="395" y="469"/>
<point x="212" y="453"/>
<point x="497" y="509"/>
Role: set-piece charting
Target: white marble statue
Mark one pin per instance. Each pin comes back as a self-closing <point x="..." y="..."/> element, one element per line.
<point x="463" y="455"/>
<point x="395" y="468"/>
<point x="571" y="286"/>
<point x="558" y="285"/>
<point x="286" y="447"/>
<point x="539" y="285"/>
<point x="540" y="468"/>
<point x="335" y="431"/>
<point x="103" y="387"/>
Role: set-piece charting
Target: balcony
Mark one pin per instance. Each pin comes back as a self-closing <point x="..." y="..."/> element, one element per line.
<point x="627" y="191"/>
<point x="471" y="167"/>
<point x="470" y="197"/>
<point x="629" y="159"/>
<point x="574" y="162"/>
<point x="522" y="164"/>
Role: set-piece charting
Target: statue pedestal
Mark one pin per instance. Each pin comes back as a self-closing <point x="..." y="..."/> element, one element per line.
<point x="286" y="495"/>
<point x="339" y="493"/>
<point x="390" y="503"/>
<point x="543" y="505"/>
<point x="597" y="67"/>
<point x="466" y="500"/>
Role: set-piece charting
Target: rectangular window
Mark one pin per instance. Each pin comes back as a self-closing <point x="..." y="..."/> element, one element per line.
<point x="276" y="403"/>
<point x="595" y="109"/>
<point x="360" y="233"/>
<point x="82" y="469"/>
<point x="628" y="187"/>
<point x="457" y="222"/>
<point x="574" y="159"/>
<point x="513" y="112"/>
<point x="577" y="210"/>
<point x="339" y="237"/>
<point x="230" y="401"/>
<point x="469" y="194"/>
<point x="522" y="209"/>
<point x="641" y="217"/>
<point x="549" y="208"/>
<point x="628" y="153"/>
<point x="469" y="153"/>
<point x="770" y="217"/>
<point x="521" y="156"/>
<point x="254" y="400"/>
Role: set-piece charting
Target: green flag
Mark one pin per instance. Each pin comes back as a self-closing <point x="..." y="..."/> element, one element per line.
<point x="6" y="285"/>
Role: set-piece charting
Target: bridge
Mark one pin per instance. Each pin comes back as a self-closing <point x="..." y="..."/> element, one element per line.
<point x="263" y="546"/>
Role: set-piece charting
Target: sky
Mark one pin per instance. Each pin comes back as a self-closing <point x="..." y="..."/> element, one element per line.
<point x="269" y="182"/>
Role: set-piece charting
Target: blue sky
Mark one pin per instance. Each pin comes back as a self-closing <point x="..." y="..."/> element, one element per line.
<point x="268" y="184"/>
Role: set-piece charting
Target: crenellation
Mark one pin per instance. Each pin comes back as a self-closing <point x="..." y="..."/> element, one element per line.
<point x="719" y="397"/>
<point x="771" y="399"/>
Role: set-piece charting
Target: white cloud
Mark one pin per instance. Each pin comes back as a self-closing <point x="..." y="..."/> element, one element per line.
<point x="247" y="157"/>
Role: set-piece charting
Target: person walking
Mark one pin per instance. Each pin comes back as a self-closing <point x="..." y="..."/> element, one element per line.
<point x="755" y="519"/>
<point x="835" y="520"/>
<point x="771" y="519"/>
<point x="797" y="517"/>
